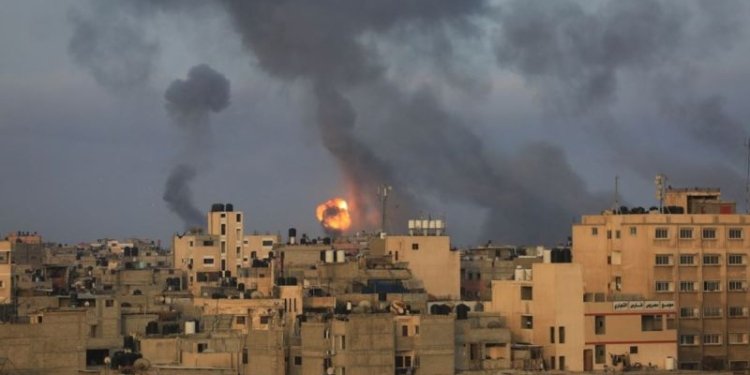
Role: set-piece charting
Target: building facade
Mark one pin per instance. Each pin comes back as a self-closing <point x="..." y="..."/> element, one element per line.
<point x="693" y="252"/>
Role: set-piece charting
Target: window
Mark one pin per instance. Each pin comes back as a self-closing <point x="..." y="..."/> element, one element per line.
<point x="633" y="231"/>
<point x="208" y="260"/>
<point x="687" y="260"/>
<point x="711" y="312"/>
<point x="526" y="293"/>
<point x="237" y="251"/>
<point x="712" y="286"/>
<point x="404" y="330"/>
<point x="239" y="218"/>
<point x="617" y="234"/>
<point x="686" y="233"/>
<point x="609" y="234"/>
<point x="190" y="244"/>
<point x="737" y="311"/>
<point x="267" y="243"/>
<point x="297" y="360"/>
<point x="661" y="233"/>
<point x="651" y="323"/>
<point x="736" y="259"/>
<point x="711" y="259"/>
<point x="527" y="322"/>
<point x="208" y="243"/>
<point x="663" y="259"/>
<point x="600" y="354"/>
<point x="92" y="330"/>
<point x="223" y="247"/>
<point x="664" y="286"/>
<point x="688" y="340"/>
<point x="223" y="229"/>
<point x="202" y="347"/>
<point x="599" y="325"/>
<point x="737" y="285"/>
<point x="712" y="339"/>
<point x="671" y="322"/>
<point x="633" y="350"/>
<point x="342" y="342"/>
<point x="415" y="246"/>
<point x="618" y="283"/>
<point x="561" y="335"/>
<point x="552" y="335"/>
<point x="735" y="233"/>
<point x="737" y="338"/>
<point x="688" y="312"/>
<point x="264" y="319"/>
<point x="552" y="360"/>
<point x="562" y="362"/>
<point x="244" y="356"/>
<point x="687" y="286"/>
<point x="240" y="320"/>
<point x="709" y="233"/>
<point x="594" y="231"/>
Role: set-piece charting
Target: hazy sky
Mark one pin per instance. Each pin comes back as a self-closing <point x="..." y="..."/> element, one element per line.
<point x="508" y="118"/>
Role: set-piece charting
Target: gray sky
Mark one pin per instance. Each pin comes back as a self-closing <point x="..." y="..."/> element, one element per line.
<point x="509" y="118"/>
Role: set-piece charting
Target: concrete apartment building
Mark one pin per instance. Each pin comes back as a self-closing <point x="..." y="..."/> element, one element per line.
<point x="6" y="274"/>
<point x="548" y="311"/>
<point x="694" y="252"/>
<point x="429" y="257"/>
<point x="480" y="265"/>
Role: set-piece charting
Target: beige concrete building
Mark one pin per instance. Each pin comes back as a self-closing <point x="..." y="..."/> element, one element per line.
<point x="546" y="309"/>
<point x="49" y="342"/>
<point x="6" y="273"/>
<point x="429" y="258"/>
<point x="696" y="257"/>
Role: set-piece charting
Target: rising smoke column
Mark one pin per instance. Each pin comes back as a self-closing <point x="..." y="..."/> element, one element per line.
<point x="189" y="104"/>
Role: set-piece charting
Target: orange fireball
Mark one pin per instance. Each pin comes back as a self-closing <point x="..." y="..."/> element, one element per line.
<point x="333" y="214"/>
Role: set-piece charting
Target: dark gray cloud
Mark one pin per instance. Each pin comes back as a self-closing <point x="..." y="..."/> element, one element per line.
<point x="190" y="102"/>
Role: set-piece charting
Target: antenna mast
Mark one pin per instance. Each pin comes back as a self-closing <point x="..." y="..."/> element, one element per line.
<point x="617" y="194"/>
<point x="383" y="194"/>
<point x="660" y="181"/>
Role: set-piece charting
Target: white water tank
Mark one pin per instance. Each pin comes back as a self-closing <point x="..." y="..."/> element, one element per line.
<point x="190" y="327"/>
<point x="519" y="274"/>
<point x="329" y="256"/>
<point x="547" y="255"/>
<point x="340" y="256"/>
<point x="669" y="363"/>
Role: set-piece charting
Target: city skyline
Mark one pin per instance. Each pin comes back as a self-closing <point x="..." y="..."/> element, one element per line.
<point x="471" y="112"/>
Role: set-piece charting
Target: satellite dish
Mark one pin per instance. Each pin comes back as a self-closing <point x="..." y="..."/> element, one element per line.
<point x="141" y="364"/>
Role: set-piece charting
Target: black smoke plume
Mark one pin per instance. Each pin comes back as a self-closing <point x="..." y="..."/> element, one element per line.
<point x="189" y="103"/>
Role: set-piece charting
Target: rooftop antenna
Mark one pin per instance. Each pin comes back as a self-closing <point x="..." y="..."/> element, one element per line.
<point x="660" y="182"/>
<point x="383" y="191"/>
<point x="617" y="195"/>
<point x="747" y="178"/>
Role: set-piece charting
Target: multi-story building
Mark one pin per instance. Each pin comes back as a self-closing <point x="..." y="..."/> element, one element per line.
<point x="481" y="265"/>
<point x="429" y="257"/>
<point x="694" y="252"/>
<point x="548" y="310"/>
<point x="6" y="273"/>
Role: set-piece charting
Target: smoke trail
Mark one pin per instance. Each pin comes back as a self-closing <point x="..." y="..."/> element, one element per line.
<point x="179" y="197"/>
<point x="189" y="103"/>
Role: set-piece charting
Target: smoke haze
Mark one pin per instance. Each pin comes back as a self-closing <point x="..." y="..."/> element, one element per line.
<point x="509" y="117"/>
